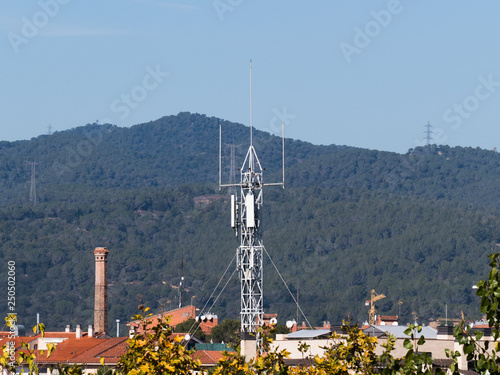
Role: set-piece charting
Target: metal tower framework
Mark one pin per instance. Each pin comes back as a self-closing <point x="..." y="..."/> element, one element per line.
<point x="247" y="223"/>
<point x="428" y="132"/>
<point x="250" y="252"/>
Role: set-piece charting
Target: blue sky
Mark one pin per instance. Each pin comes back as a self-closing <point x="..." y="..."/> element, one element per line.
<point x="367" y="74"/>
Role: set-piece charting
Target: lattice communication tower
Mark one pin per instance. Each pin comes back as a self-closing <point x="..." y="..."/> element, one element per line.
<point x="247" y="223"/>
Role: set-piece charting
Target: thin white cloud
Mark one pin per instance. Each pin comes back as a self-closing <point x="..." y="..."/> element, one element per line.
<point x="166" y="4"/>
<point x="72" y="31"/>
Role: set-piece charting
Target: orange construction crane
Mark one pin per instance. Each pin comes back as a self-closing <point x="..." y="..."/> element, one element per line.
<point x="375" y="297"/>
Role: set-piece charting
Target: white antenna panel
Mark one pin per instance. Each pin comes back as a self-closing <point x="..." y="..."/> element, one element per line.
<point x="233" y="211"/>
<point x="247" y="274"/>
<point x="250" y="206"/>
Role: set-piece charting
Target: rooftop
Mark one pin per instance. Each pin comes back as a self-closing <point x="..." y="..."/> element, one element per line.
<point x="309" y="334"/>
<point x="398" y="331"/>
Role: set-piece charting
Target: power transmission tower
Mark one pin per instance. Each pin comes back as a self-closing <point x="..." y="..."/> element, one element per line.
<point x="49" y="130"/>
<point x="428" y="136"/>
<point x="33" y="165"/>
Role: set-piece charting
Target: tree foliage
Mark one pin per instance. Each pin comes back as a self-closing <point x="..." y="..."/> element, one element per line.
<point x="352" y="354"/>
<point x="484" y="354"/>
<point x="187" y="326"/>
<point x="227" y="332"/>
<point x="154" y="352"/>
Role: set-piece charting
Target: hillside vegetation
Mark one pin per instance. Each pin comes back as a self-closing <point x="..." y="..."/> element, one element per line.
<point x="416" y="227"/>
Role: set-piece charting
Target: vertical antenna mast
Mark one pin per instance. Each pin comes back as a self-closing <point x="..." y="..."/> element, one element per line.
<point x="251" y="109"/>
<point x="232" y="170"/>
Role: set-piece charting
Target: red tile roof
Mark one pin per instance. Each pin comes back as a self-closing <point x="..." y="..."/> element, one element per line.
<point x="4" y="337"/>
<point x="85" y="350"/>
<point x="110" y="349"/>
<point x="89" y="350"/>
<point x="17" y="341"/>
<point x="69" y="349"/>
<point x="208" y="357"/>
<point x="177" y="316"/>
<point x="388" y="317"/>
<point x="116" y="351"/>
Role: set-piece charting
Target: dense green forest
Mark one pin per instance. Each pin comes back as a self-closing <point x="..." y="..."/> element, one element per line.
<point x="416" y="227"/>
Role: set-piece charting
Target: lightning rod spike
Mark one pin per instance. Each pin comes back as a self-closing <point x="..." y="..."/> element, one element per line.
<point x="251" y="110"/>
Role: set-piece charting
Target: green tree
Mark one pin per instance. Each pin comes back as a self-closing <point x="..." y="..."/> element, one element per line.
<point x="188" y="326"/>
<point x="228" y="332"/>
<point x="484" y="354"/>
<point x="352" y="352"/>
<point x="413" y="362"/>
<point x="154" y="352"/>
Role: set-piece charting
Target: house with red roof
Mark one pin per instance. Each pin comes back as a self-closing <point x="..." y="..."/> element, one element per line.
<point x="81" y="348"/>
<point x="94" y="348"/>
<point x="177" y="316"/>
<point x="88" y="350"/>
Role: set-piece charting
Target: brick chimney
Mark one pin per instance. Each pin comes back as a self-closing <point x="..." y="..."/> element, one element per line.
<point x="101" y="290"/>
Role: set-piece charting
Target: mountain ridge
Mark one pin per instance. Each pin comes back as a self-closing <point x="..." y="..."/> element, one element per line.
<point x="413" y="226"/>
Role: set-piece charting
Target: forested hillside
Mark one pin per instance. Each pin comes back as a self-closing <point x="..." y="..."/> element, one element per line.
<point x="170" y="151"/>
<point x="416" y="227"/>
